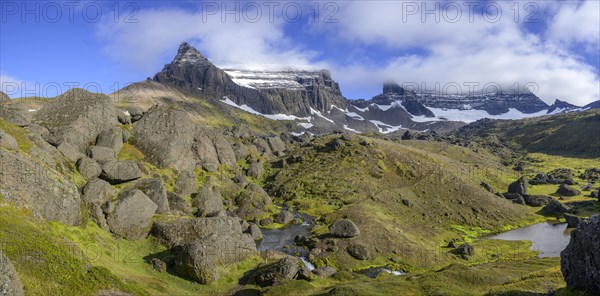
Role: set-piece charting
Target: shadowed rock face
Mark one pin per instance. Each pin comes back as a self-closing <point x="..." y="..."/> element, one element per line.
<point x="193" y="72"/>
<point x="580" y="261"/>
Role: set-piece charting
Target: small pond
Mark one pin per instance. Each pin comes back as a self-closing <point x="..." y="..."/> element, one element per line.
<point x="550" y="239"/>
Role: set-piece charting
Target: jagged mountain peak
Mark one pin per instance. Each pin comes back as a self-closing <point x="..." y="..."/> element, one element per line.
<point x="561" y="106"/>
<point x="188" y="54"/>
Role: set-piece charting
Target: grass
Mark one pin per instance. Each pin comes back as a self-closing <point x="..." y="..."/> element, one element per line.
<point x="19" y="133"/>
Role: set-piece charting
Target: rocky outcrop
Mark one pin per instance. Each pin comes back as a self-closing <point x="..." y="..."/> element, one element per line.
<point x="8" y="142"/>
<point x="131" y="216"/>
<point x="77" y="117"/>
<point x="209" y="202"/>
<point x="10" y="283"/>
<point x="519" y="186"/>
<point x="165" y="135"/>
<point x="580" y="261"/>
<point x="120" y="171"/>
<point x="344" y="228"/>
<point x="46" y="193"/>
<point x="157" y="192"/>
<point x="205" y="244"/>
<point x="273" y="273"/>
<point x="565" y="190"/>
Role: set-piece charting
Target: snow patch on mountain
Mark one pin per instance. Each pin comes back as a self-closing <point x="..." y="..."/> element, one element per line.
<point x="346" y="127"/>
<point x="472" y="115"/>
<point x="248" y="109"/>
<point x="385" y="128"/>
<point x="271" y="79"/>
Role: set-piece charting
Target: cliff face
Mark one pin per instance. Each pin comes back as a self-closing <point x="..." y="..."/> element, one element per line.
<point x="274" y="92"/>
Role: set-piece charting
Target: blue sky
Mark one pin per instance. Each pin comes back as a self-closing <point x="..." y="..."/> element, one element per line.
<point x="553" y="45"/>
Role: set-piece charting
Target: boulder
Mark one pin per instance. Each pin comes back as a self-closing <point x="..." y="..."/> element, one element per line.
<point x="48" y="194"/>
<point x="8" y="142"/>
<point x="120" y="171"/>
<point x="88" y="168"/>
<point x="132" y="215"/>
<point x="254" y="232"/>
<point x="572" y="220"/>
<point x="555" y="208"/>
<point x="158" y="265"/>
<point x="358" y="251"/>
<point x="111" y="138"/>
<point x="224" y="151"/>
<point x="580" y="261"/>
<point x="537" y="200"/>
<point x="205" y="152"/>
<point x="69" y="151"/>
<point x="325" y="271"/>
<point x="215" y="242"/>
<point x="165" y="136"/>
<point x="262" y="146"/>
<point x="123" y="117"/>
<point x="284" y="217"/>
<point x="157" y="192"/>
<point x="519" y="186"/>
<point x="252" y="202"/>
<point x="10" y="283"/>
<point x="272" y="274"/>
<point x="344" y="228"/>
<point x="95" y="194"/>
<point x="255" y="170"/>
<point x="241" y="151"/>
<point x="465" y="251"/>
<point x="77" y="117"/>
<point x="277" y="146"/>
<point x="209" y="202"/>
<point x="178" y="204"/>
<point x="186" y="184"/>
<point x="101" y="154"/>
<point x="565" y="190"/>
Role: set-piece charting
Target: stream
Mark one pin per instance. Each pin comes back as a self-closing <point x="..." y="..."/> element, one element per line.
<point x="550" y="239"/>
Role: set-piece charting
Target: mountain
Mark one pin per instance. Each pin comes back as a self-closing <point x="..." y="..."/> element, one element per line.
<point x="592" y="105"/>
<point x="314" y="101"/>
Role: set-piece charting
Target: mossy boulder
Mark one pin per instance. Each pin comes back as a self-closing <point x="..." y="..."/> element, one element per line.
<point x="131" y="216"/>
<point x="344" y="228"/>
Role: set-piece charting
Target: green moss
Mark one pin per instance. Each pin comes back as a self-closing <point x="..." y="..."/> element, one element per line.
<point x="470" y="233"/>
<point x="19" y="133"/>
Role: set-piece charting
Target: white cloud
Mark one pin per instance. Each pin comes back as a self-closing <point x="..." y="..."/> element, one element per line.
<point x="577" y="22"/>
<point x="255" y="45"/>
<point x="468" y="50"/>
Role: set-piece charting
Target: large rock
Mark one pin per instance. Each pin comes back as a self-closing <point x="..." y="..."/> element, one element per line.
<point x="111" y="138"/>
<point x="344" y="228"/>
<point x="10" y="283"/>
<point x="8" y="142"/>
<point x="224" y="151"/>
<point x="284" y="217"/>
<point x="155" y="189"/>
<point x="69" y="151"/>
<point x="95" y="194"/>
<point x="255" y="170"/>
<point x="565" y="190"/>
<point x="519" y="186"/>
<point x="77" y="117"/>
<point x="272" y="274"/>
<point x="580" y="261"/>
<point x="555" y="208"/>
<point x="205" y="152"/>
<point x="276" y="144"/>
<point x="101" y="154"/>
<point x="358" y="251"/>
<point x="48" y="194"/>
<point x="165" y="135"/>
<point x="209" y="244"/>
<point x="572" y="220"/>
<point x="120" y="171"/>
<point x="88" y="168"/>
<point x="186" y="184"/>
<point x="179" y="205"/>
<point x="252" y="203"/>
<point x="208" y="201"/>
<point x="537" y="200"/>
<point x="179" y="232"/>
<point x="131" y="216"/>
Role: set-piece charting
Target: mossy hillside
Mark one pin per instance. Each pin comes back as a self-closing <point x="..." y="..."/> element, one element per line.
<point x="368" y="183"/>
<point x="50" y="265"/>
<point x="527" y="277"/>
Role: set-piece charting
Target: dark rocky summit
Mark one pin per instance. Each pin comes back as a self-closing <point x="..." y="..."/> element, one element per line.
<point x="580" y="261"/>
